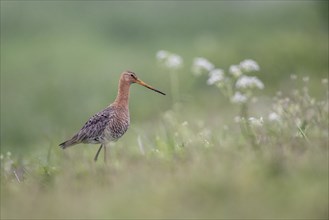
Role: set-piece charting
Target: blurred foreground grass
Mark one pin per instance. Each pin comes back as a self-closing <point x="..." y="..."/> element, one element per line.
<point x="186" y="158"/>
<point x="201" y="183"/>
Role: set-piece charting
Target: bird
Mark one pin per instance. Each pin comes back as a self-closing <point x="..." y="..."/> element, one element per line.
<point x="111" y="123"/>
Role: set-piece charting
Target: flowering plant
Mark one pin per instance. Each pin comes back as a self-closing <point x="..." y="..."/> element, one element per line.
<point x="238" y="86"/>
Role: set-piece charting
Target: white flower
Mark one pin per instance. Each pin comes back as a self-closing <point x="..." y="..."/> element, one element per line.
<point x="174" y="61"/>
<point x="215" y="76"/>
<point x="239" y="98"/>
<point x="201" y="64"/>
<point x="324" y="81"/>
<point x="184" y="123"/>
<point x="169" y="60"/>
<point x="249" y="65"/>
<point x="238" y="119"/>
<point x="162" y="55"/>
<point x="235" y="70"/>
<point x="274" y="117"/>
<point x="249" y="82"/>
<point x="1" y="156"/>
<point x="293" y="76"/>
<point x="258" y="122"/>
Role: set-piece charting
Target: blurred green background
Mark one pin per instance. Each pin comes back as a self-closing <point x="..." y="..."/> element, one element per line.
<point x="60" y="61"/>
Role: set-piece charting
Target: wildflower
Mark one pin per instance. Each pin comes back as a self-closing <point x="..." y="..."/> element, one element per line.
<point x="174" y="61"/>
<point x="239" y="98"/>
<point x="8" y="154"/>
<point x="324" y="81"/>
<point x="235" y="70"/>
<point x="162" y="55"/>
<point x="249" y="65"/>
<point x="306" y="78"/>
<point x="184" y="123"/>
<point x="249" y="82"/>
<point x="293" y="76"/>
<point x="237" y="119"/>
<point x="258" y="122"/>
<point x="274" y="117"/>
<point x="1" y="157"/>
<point x="215" y="76"/>
<point x="170" y="60"/>
<point x="201" y="64"/>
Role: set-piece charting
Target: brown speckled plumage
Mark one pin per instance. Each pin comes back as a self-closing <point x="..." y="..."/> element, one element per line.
<point x="111" y="123"/>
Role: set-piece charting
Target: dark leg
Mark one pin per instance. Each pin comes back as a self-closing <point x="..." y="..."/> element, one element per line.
<point x="99" y="150"/>
<point x="105" y="155"/>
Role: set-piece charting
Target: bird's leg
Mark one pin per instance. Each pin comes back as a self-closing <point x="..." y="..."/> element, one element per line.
<point x="99" y="150"/>
<point x="105" y="156"/>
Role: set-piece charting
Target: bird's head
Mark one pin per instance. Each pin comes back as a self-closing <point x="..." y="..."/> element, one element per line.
<point x="131" y="77"/>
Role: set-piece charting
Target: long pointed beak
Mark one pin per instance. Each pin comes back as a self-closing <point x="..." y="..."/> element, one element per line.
<point x="140" y="82"/>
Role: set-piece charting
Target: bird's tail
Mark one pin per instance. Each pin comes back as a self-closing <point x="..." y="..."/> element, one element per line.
<point x="68" y="143"/>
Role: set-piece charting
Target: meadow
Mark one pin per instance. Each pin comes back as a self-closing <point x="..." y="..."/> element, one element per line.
<point x="242" y="132"/>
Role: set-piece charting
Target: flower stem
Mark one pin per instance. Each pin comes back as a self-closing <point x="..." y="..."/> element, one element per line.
<point x="246" y="130"/>
<point x="174" y="86"/>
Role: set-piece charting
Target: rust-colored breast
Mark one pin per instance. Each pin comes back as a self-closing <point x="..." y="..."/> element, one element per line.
<point x="118" y="123"/>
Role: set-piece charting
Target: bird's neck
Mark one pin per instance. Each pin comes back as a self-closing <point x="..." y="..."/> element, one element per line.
<point x="123" y="95"/>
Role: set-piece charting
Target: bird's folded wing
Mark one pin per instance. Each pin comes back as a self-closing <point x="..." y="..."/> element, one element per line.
<point x="94" y="127"/>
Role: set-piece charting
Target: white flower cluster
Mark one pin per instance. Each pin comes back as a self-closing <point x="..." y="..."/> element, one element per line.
<point x="215" y="75"/>
<point x="235" y="71"/>
<point x="170" y="60"/>
<point x="201" y="65"/>
<point x="249" y="65"/>
<point x="239" y="98"/>
<point x="245" y="82"/>
<point x="238" y="81"/>
<point x="257" y="122"/>
<point x="273" y="116"/>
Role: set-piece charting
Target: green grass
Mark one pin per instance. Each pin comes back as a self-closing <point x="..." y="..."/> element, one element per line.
<point x="181" y="166"/>
<point x="184" y="155"/>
